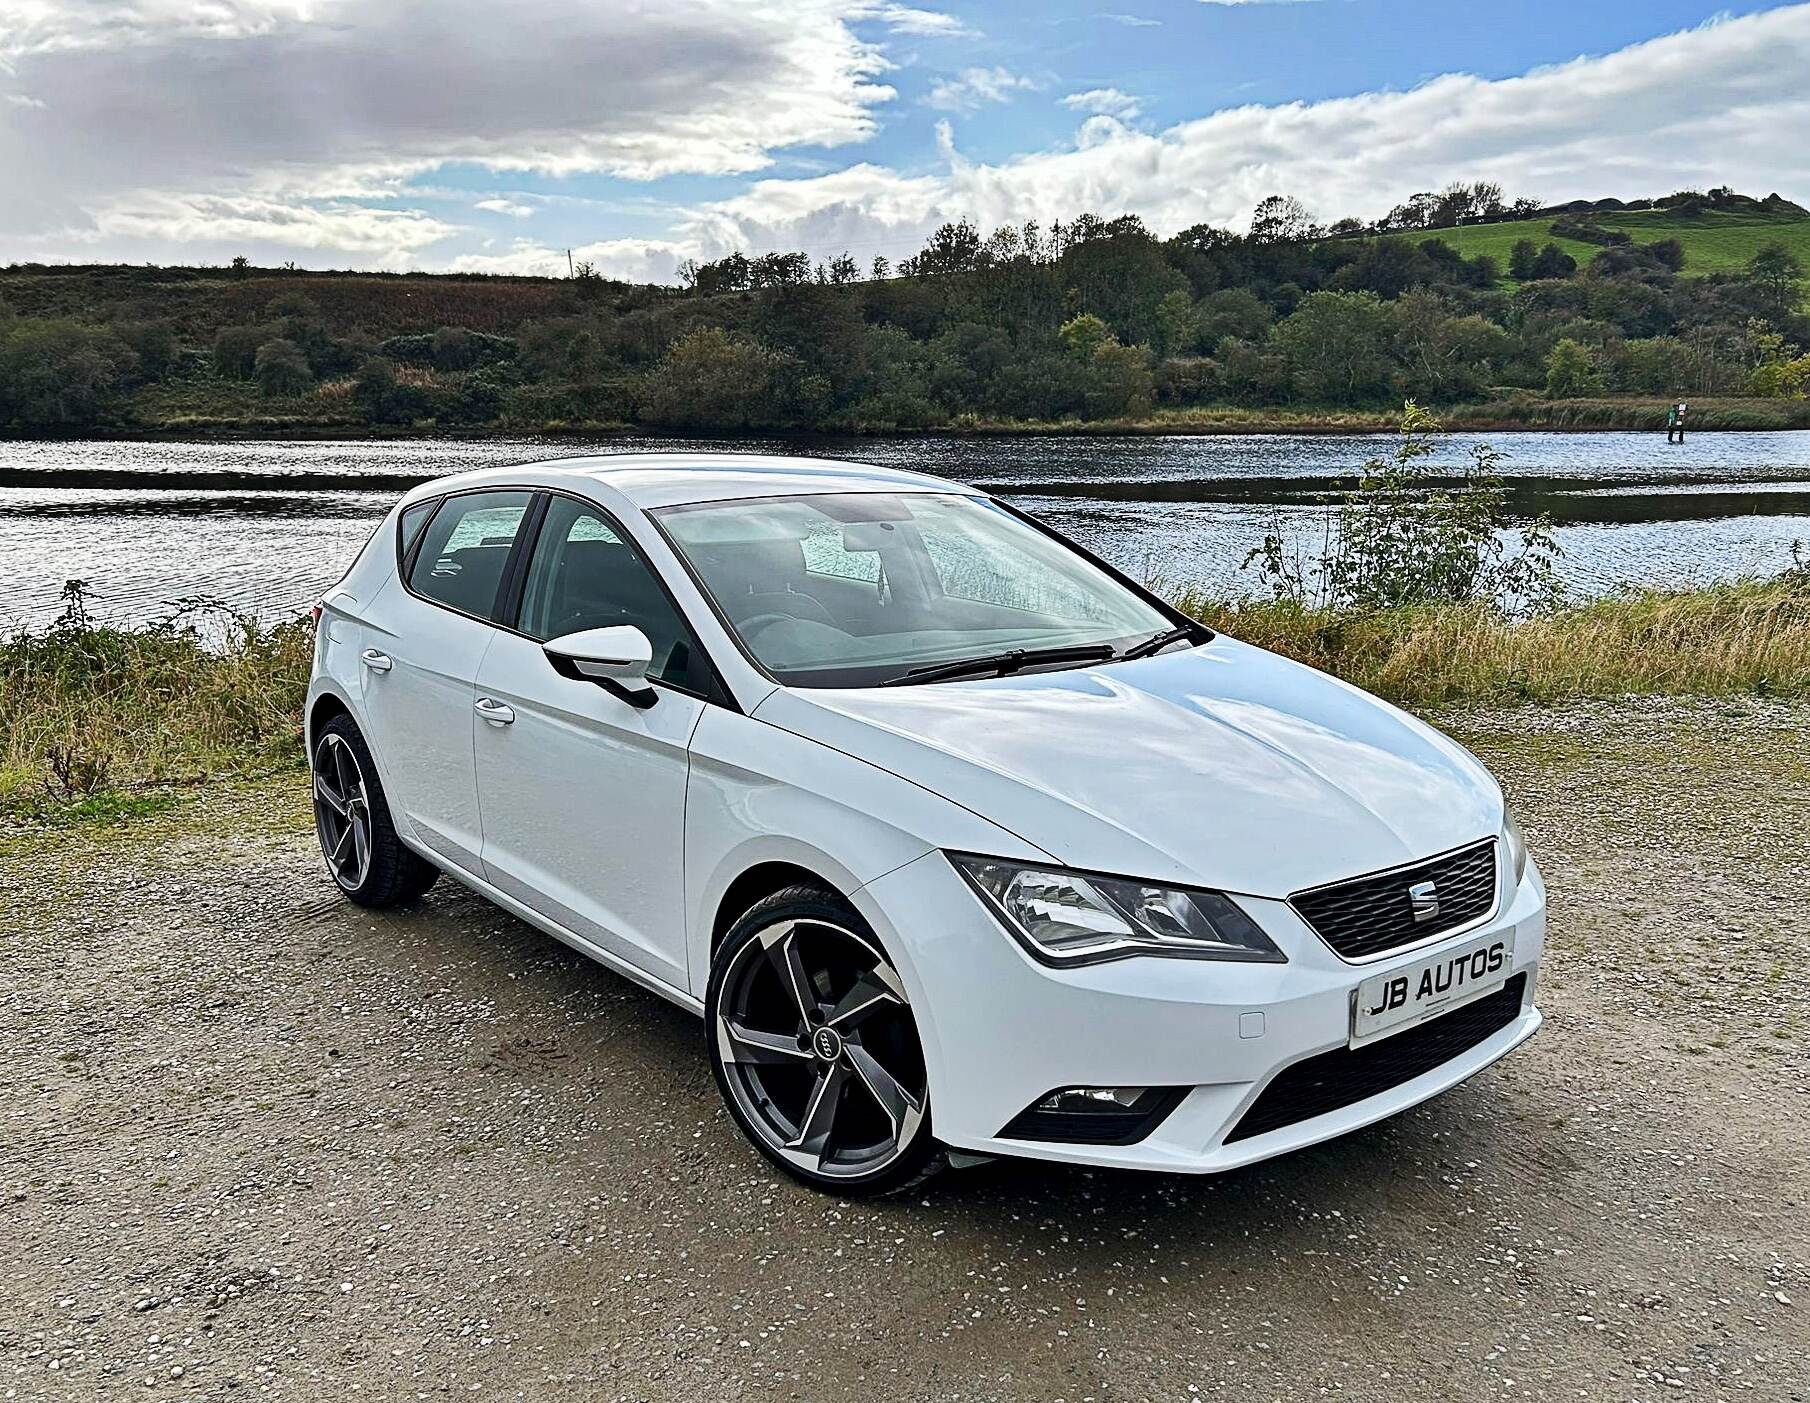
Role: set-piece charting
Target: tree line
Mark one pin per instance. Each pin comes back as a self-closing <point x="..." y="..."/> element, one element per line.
<point x="1087" y="319"/>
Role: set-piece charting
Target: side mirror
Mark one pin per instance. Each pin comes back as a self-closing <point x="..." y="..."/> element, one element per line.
<point x="616" y="659"/>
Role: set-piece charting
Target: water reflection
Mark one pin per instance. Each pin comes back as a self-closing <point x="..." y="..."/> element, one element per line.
<point x="269" y="525"/>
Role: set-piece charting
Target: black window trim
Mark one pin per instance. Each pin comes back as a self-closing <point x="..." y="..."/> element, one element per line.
<point x="508" y="601"/>
<point x="406" y="567"/>
<point x="515" y="582"/>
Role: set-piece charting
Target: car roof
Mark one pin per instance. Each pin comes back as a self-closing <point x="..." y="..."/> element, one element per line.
<point x="653" y="480"/>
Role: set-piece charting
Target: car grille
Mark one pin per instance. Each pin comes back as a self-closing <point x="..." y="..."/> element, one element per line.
<point x="1343" y="1077"/>
<point x="1371" y="915"/>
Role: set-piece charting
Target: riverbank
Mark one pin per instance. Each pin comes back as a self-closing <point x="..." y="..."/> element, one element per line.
<point x="1503" y="416"/>
<point x="263" y="1142"/>
<point x="100" y="724"/>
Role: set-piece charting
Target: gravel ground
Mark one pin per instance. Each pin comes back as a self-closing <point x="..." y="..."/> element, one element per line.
<point x="256" y="1141"/>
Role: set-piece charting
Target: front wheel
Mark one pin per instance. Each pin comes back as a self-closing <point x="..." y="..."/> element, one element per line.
<point x="815" y="1049"/>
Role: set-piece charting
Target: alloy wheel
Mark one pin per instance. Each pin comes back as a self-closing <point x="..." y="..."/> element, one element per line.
<point x="819" y="1049"/>
<point x="342" y="812"/>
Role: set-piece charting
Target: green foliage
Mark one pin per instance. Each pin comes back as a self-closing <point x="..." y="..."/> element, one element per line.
<point x="58" y="375"/>
<point x="1572" y="371"/>
<point x="1777" y="276"/>
<point x="282" y="370"/>
<point x="1406" y="537"/>
<point x="714" y="379"/>
<point x="1085" y="334"/>
<point x="1085" y="321"/>
<point x="94" y="718"/>
<point x="1336" y="346"/>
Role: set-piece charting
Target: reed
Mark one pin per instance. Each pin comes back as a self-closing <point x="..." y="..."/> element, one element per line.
<point x="90" y="710"/>
<point x="1748" y="638"/>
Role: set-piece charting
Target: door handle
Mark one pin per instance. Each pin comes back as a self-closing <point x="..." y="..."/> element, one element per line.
<point x="376" y="661"/>
<point x="495" y="712"/>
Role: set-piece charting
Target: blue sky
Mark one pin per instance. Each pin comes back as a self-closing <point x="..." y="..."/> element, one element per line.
<point x="463" y="133"/>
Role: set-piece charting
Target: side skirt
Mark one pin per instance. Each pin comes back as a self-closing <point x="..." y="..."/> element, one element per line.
<point x="505" y="902"/>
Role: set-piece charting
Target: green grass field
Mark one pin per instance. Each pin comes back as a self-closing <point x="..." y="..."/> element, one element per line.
<point x="1716" y="241"/>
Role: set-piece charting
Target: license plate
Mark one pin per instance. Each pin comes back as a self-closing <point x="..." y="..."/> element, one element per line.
<point x="1388" y="1003"/>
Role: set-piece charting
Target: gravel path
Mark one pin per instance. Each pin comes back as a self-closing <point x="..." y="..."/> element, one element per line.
<point x="255" y="1141"/>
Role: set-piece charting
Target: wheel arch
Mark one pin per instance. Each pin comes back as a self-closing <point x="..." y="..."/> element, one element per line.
<point x="754" y="885"/>
<point x="321" y="710"/>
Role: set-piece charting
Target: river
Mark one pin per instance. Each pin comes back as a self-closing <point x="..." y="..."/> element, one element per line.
<point x="266" y="525"/>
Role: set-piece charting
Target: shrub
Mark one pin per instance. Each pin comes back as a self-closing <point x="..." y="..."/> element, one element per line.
<point x="236" y="350"/>
<point x="282" y="370"/>
<point x="57" y="375"/>
<point x="712" y="379"/>
<point x="1571" y="371"/>
<point x="1404" y="538"/>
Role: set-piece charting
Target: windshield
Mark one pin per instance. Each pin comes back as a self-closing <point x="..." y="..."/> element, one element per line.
<point x="856" y="589"/>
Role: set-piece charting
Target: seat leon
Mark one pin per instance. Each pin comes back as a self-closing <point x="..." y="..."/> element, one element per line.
<point x="962" y="844"/>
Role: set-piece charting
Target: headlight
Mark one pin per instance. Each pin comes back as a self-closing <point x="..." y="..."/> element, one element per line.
<point x="1071" y="918"/>
<point x="1514" y="845"/>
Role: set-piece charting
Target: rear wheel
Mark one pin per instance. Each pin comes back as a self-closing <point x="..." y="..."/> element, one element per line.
<point x="815" y="1049"/>
<point x="352" y="820"/>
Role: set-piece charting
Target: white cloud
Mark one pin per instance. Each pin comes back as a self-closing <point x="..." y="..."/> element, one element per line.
<point x="925" y="24"/>
<point x="1686" y="109"/>
<point x="1231" y="3"/>
<point x="631" y="260"/>
<point x="1105" y="102"/>
<point x="130" y="106"/>
<point x="974" y="88"/>
<point x="221" y="224"/>
<point x="513" y="208"/>
<point x="1131" y="21"/>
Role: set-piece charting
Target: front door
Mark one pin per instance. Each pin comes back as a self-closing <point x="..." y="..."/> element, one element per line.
<point x="582" y="794"/>
<point x="421" y="641"/>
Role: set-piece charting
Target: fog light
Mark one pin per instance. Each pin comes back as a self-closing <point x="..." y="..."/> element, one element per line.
<point x="1095" y="1115"/>
<point x="1084" y="1099"/>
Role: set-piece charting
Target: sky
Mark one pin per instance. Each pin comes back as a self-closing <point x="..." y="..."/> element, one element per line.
<point x="488" y="136"/>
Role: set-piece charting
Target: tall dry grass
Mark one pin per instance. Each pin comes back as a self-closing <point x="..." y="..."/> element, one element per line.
<point x="87" y="707"/>
<point x="1752" y="638"/>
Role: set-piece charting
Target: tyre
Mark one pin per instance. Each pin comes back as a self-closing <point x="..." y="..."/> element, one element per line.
<point x="352" y="820"/>
<point x="815" y="1048"/>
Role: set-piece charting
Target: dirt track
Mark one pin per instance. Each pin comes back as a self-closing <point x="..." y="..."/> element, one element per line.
<point x="254" y="1141"/>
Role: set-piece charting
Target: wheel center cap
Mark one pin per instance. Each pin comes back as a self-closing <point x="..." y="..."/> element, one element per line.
<point x="826" y="1042"/>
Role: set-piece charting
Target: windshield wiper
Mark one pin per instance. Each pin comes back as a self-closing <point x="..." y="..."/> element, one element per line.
<point x="1160" y="641"/>
<point x="1000" y="664"/>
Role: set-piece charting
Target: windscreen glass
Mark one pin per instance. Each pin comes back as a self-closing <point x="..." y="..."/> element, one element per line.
<point x="855" y="589"/>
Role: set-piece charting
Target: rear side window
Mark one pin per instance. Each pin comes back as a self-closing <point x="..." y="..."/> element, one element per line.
<point x="464" y="549"/>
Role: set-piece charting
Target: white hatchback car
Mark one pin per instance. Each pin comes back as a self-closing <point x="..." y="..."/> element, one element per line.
<point x="963" y="843"/>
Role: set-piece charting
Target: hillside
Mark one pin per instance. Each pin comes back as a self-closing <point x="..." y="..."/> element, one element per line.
<point x="1091" y="321"/>
<point x="1715" y="241"/>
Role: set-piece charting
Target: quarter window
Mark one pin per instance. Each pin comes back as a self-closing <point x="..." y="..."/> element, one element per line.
<point x="413" y="519"/>
<point x="585" y="575"/>
<point x="465" y="548"/>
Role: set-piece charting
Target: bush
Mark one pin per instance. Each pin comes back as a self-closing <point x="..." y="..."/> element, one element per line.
<point x="1571" y="371"/>
<point x="236" y="350"/>
<point x="386" y="398"/>
<point x="1403" y="538"/>
<point x="86" y="707"/>
<point x="712" y="379"/>
<point x="57" y="375"/>
<point x="282" y="370"/>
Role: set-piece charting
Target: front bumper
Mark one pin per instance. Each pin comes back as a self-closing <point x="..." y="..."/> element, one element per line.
<point x="1000" y="1030"/>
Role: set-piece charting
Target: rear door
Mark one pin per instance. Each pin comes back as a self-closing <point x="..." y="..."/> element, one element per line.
<point x="583" y="795"/>
<point x="423" y="638"/>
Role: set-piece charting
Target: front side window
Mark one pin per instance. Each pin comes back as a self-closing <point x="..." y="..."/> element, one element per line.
<point x="585" y="575"/>
<point x="464" y="549"/>
<point x="857" y="589"/>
